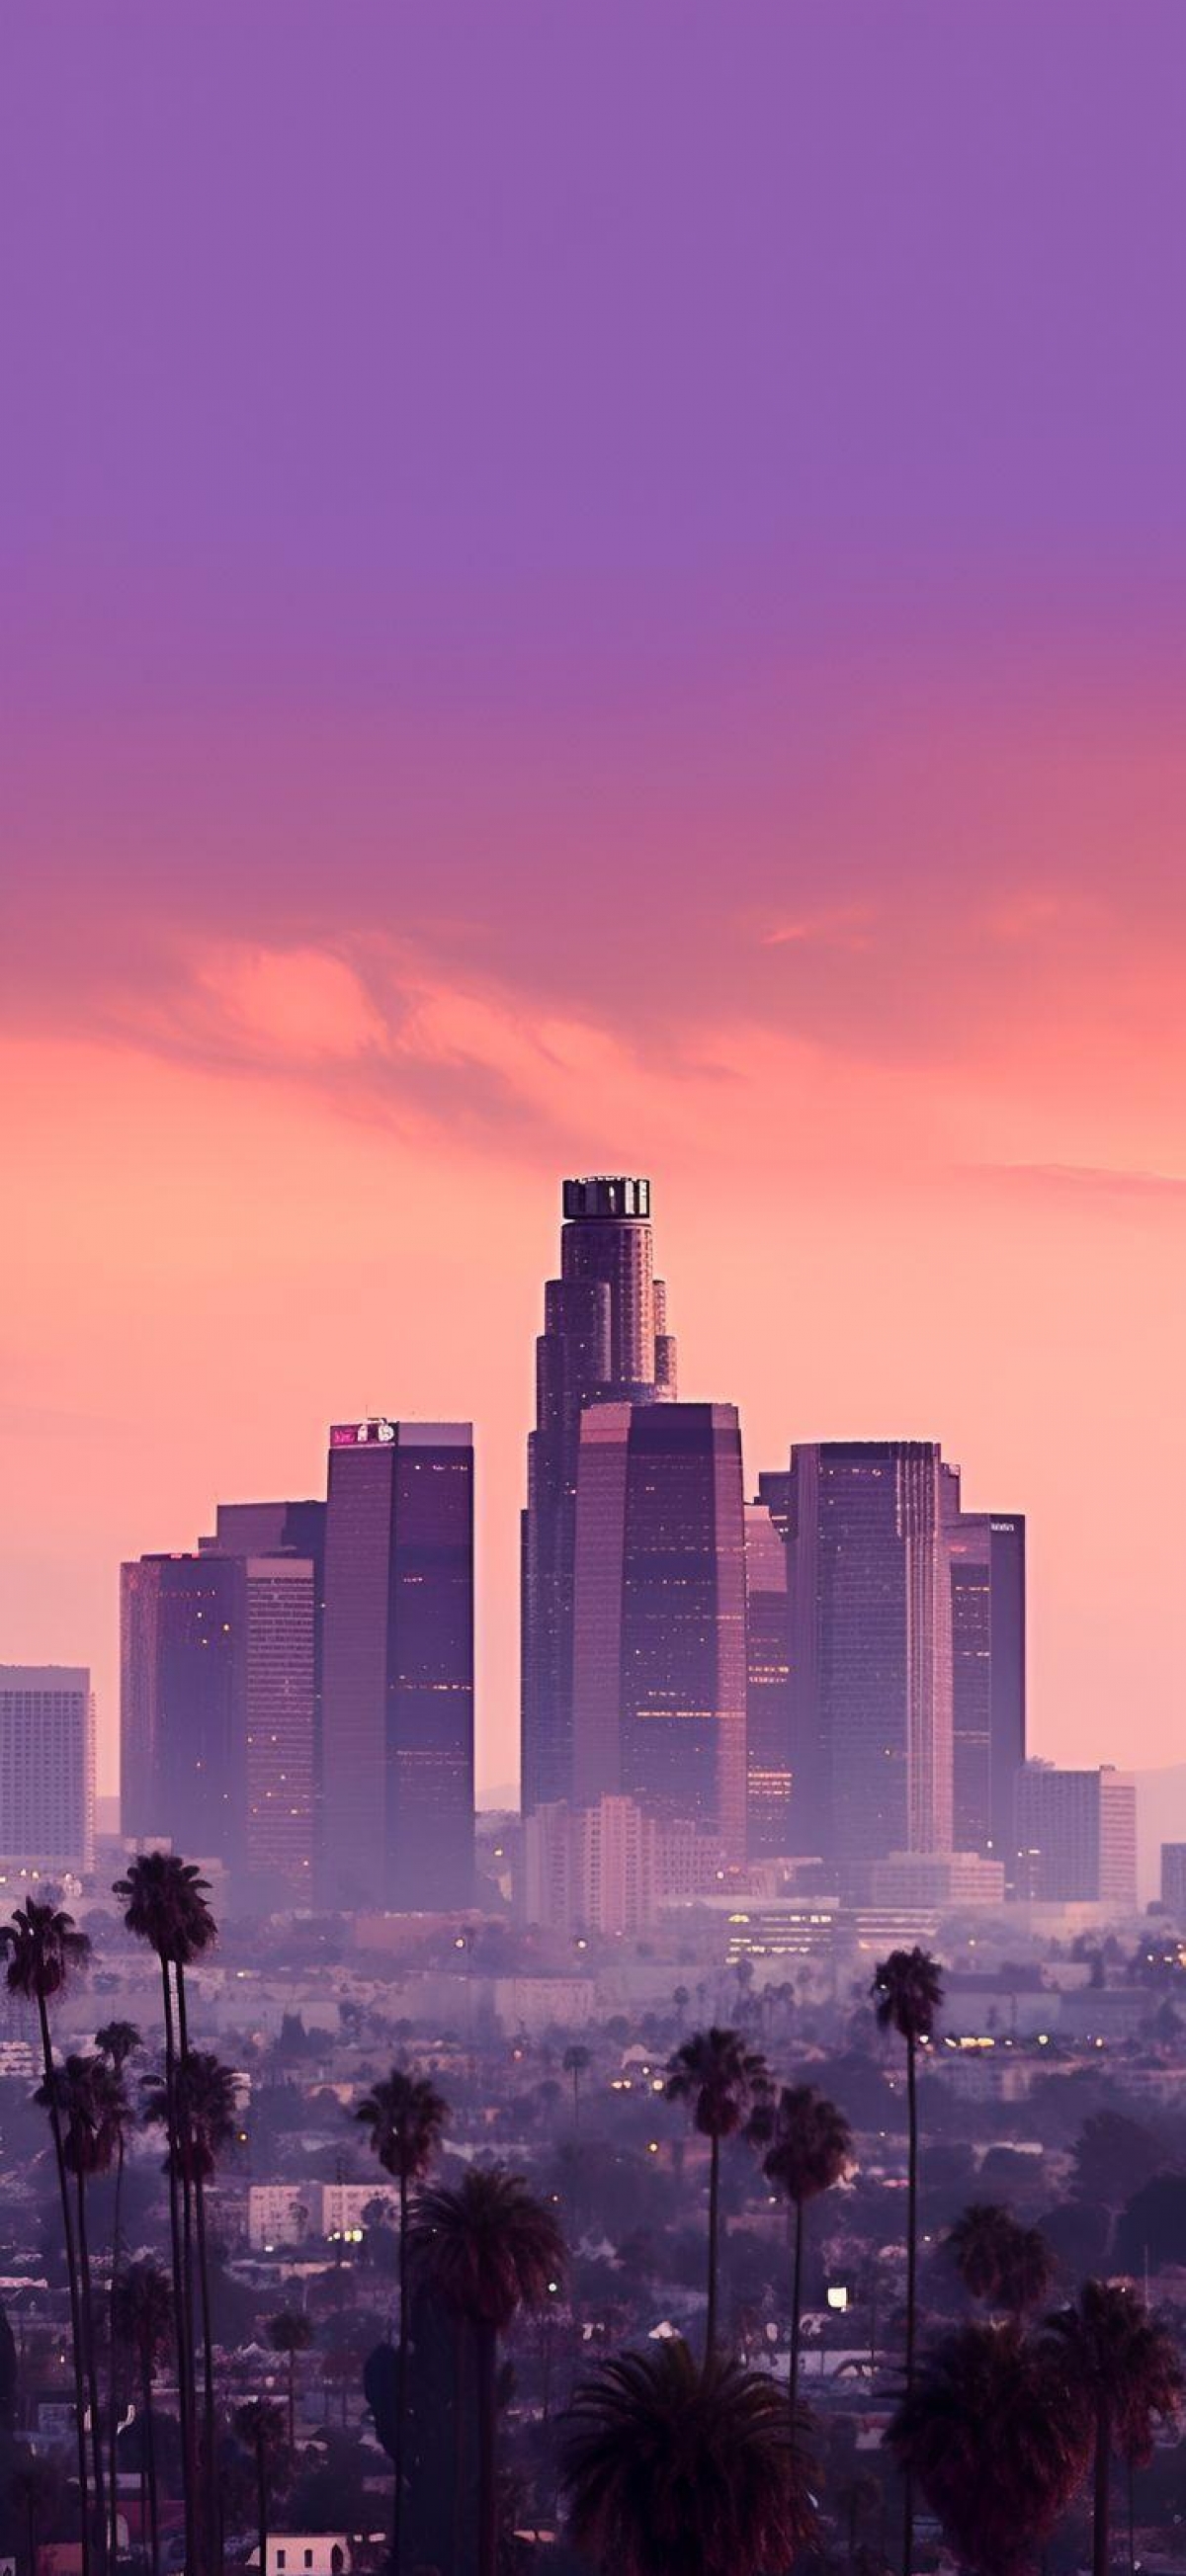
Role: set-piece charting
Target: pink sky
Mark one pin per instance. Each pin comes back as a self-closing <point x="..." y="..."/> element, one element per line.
<point x="609" y="596"/>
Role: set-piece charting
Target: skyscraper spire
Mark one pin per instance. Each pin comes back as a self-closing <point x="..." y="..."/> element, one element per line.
<point x="605" y="1336"/>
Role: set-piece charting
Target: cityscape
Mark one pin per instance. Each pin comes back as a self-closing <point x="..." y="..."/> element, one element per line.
<point x="780" y="1818"/>
<point x="592" y="1374"/>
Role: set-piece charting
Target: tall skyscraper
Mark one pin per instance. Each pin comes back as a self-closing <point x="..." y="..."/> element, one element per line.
<point x="1077" y="1836"/>
<point x="218" y="1710"/>
<point x="283" y="1529"/>
<point x="398" y="1667"/>
<point x="47" y="1768"/>
<point x="659" y="1657"/>
<point x="987" y="1554"/>
<point x="605" y="1334"/>
<point x="768" y="1657"/>
<point x="870" y="1651"/>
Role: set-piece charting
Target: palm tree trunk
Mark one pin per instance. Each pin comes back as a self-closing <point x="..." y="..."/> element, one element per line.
<point x="210" y="2440"/>
<point x="911" y="2280"/>
<point x="458" y="2442"/>
<point x="291" y="2403"/>
<point x="401" y="2381"/>
<point x="72" y="2278"/>
<point x="31" y="2533"/>
<point x="181" y="2331"/>
<point x="112" y="2374"/>
<point x="148" y="2453"/>
<point x="487" y="2480"/>
<point x="714" y="2218"/>
<point x="92" y="2369"/>
<point x="1132" y="2516"/>
<point x="796" y="2310"/>
<point x="262" y="2507"/>
<point x="1101" y="2553"/>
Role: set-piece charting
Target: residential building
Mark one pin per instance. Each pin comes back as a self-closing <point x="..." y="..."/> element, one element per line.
<point x="47" y="1769"/>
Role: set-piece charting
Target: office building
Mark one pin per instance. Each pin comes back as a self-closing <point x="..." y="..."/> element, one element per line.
<point x="870" y="1652"/>
<point x="937" y="1882"/>
<point x="1077" y="1837"/>
<point x="605" y="1335"/>
<point x="398" y="1667"/>
<point x="1173" y="1880"/>
<point x="47" y="1769"/>
<point x="610" y="1869"/>
<point x="659" y="1655"/>
<point x="768" y="1685"/>
<point x="987" y="1556"/>
<point x="218" y="1714"/>
<point x="273" y="1529"/>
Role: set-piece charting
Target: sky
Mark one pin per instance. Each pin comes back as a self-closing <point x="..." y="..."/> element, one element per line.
<point x="595" y="585"/>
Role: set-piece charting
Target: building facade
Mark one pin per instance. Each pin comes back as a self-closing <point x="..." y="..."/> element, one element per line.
<point x="47" y="1769"/>
<point x="397" y="1792"/>
<point x="1173" y="1880"/>
<point x="659" y="1654"/>
<point x="605" y="1334"/>
<point x="611" y="1868"/>
<point x="1077" y="1837"/>
<point x="768" y="1685"/>
<point x="988" y="1657"/>
<point x="870" y="1652"/>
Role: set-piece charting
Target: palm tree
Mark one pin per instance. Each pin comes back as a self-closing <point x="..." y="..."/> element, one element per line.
<point x="92" y="2108"/>
<point x="32" y="2493"/>
<point x="206" y="2095"/>
<point x="1000" y="2261"/>
<point x="487" y="2249"/>
<point x="808" y="2146"/>
<point x="994" y="2434"/>
<point x="164" y="1900"/>
<point x="116" y="2043"/>
<point x="405" y="2116"/>
<point x="673" y="2464"/>
<point x="577" y="2061"/>
<point x="44" y="1952"/>
<point x="908" y="1991"/>
<point x="291" y="2332"/>
<point x="1123" y="2365"/>
<point x="144" y="2326"/>
<point x="259" y="2425"/>
<point x="721" y="2081"/>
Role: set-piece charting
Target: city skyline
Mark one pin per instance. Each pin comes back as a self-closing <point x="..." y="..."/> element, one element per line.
<point x="680" y="673"/>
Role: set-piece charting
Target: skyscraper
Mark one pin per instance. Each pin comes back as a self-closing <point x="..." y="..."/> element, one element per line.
<point x="47" y="1768"/>
<point x="768" y="1695"/>
<point x="659" y="1659"/>
<point x="870" y="1651"/>
<point x="605" y="1334"/>
<point x="398" y="1667"/>
<point x="283" y="1529"/>
<point x="217" y="1713"/>
<point x="987" y="1556"/>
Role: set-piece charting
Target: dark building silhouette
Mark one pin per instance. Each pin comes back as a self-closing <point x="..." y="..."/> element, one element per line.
<point x="987" y="1556"/>
<point x="605" y="1334"/>
<point x="397" y="1809"/>
<point x="659" y="1660"/>
<point x="217" y="1714"/>
<point x="768" y="1685"/>
<point x="870" y="1652"/>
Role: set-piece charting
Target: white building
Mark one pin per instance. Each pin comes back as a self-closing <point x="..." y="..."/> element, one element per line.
<point x="609" y="1868"/>
<point x="47" y="1769"/>
<point x="282" y="2213"/>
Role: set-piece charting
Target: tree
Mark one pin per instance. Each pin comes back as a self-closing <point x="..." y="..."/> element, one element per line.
<point x="1124" y="2368"/>
<point x="405" y="2116"/>
<point x="290" y="2333"/>
<point x="33" y="2495"/>
<point x="165" y="1904"/>
<point x="487" y="2249"/>
<point x="259" y="2426"/>
<point x="907" y="1993"/>
<point x="720" y="2080"/>
<point x="673" y="2464"/>
<point x="1000" y="2261"/>
<point x="44" y="1952"/>
<point x="996" y="2437"/>
<point x="143" y="2320"/>
<point x="1113" y="2156"/>
<point x="808" y="2146"/>
<point x="1152" y="2227"/>
<point x="92" y="2110"/>
<point x="577" y="2061"/>
<point x="116" y="2043"/>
